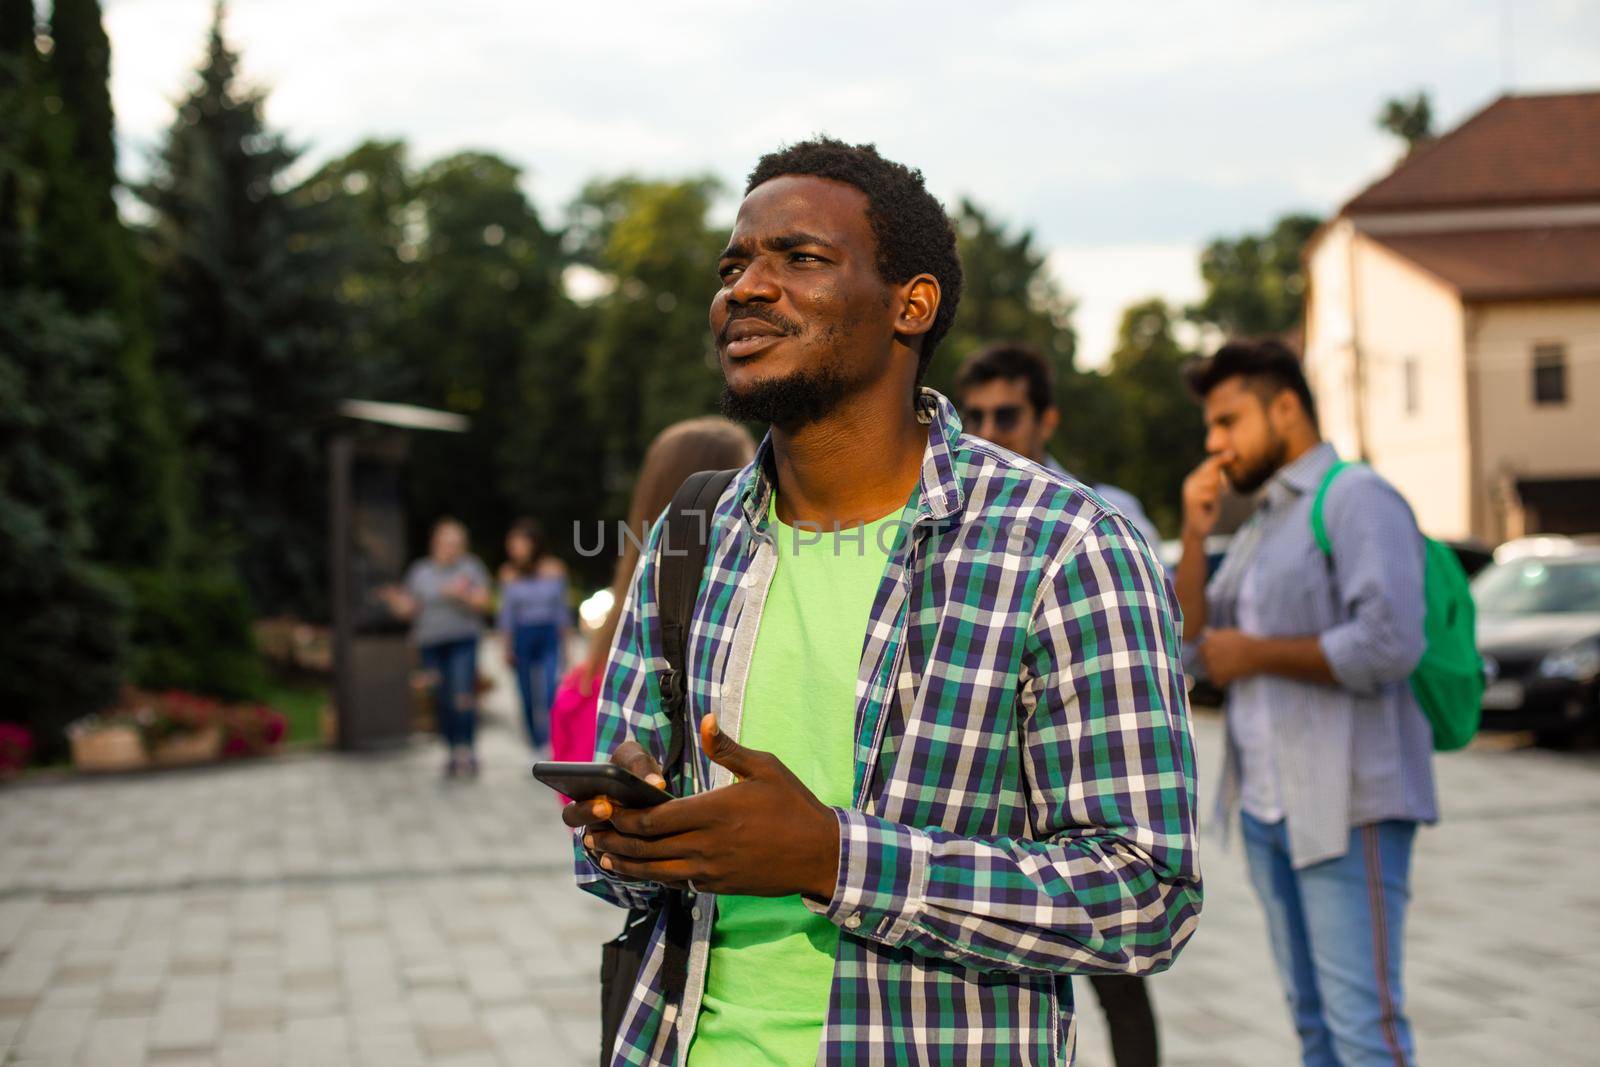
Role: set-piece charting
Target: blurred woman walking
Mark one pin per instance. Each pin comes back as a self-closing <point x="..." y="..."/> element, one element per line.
<point x="446" y="597"/>
<point x="533" y="624"/>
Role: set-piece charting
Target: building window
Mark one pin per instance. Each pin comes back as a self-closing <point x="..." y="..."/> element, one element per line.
<point x="1550" y="374"/>
<point x="1410" y="387"/>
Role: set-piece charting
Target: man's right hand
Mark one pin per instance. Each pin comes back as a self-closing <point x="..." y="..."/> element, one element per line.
<point x="631" y="757"/>
<point x="1202" y="496"/>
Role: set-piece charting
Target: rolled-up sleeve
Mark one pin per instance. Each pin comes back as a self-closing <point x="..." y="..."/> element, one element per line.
<point x="1378" y="576"/>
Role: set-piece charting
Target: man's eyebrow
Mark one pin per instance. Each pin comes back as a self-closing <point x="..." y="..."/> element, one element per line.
<point x="786" y="241"/>
<point x="783" y="242"/>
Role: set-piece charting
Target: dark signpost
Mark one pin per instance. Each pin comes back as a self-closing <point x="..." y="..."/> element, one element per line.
<point x="371" y="653"/>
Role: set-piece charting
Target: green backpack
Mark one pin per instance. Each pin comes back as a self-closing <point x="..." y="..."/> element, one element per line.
<point x="1448" y="682"/>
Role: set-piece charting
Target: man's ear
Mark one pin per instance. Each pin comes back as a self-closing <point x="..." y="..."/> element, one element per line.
<point x="919" y="303"/>
<point x="1284" y="410"/>
<point x="1048" y="423"/>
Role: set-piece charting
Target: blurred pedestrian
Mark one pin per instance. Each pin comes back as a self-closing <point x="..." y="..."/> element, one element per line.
<point x="709" y="443"/>
<point x="533" y="623"/>
<point x="1006" y="393"/>
<point x="1329" y="756"/>
<point x="446" y="597"/>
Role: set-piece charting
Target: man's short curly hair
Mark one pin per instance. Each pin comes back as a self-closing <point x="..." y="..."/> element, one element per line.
<point x="914" y="234"/>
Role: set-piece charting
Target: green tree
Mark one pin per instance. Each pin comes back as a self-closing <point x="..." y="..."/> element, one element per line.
<point x="81" y="249"/>
<point x="1009" y="295"/>
<point x="1160" y="437"/>
<point x="1408" y="118"/>
<point x="451" y="293"/>
<point x="249" y="330"/>
<point x="1255" y="284"/>
<point x="20" y="112"/>
<point x="65" y="642"/>
<point x="650" y="357"/>
<point x="66" y="618"/>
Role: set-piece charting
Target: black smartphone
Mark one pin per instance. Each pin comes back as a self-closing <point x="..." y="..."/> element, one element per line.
<point x="584" y="781"/>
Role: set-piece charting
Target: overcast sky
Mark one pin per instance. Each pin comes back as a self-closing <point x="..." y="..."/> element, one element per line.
<point x="1124" y="134"/>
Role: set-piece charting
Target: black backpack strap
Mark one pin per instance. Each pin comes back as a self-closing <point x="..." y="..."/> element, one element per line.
<point x="685" y="542"/>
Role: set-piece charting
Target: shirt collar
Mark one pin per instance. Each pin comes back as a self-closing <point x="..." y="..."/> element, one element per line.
<point x="939" y="495"/>
<point x="1305" y="473"/>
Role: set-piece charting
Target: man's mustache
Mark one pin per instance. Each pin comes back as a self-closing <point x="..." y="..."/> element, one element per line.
<point x="761" y="314"/>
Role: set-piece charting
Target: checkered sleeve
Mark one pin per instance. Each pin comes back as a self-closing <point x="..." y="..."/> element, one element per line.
<point x="629" y="707"/>
<point x="1109" y="880"/>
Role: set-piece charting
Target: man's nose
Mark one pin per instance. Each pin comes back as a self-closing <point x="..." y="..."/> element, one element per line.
<point x="754" y="284"/>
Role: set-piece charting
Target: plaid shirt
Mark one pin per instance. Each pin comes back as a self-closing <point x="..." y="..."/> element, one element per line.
<point x="1024" y="773"/>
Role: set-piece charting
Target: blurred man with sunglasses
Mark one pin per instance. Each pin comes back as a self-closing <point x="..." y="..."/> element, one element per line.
<point x="1006" y="394"/>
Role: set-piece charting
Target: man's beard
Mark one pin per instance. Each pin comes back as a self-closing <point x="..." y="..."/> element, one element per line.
<point x="790" y="402"/>
<point x="1256" y="475"/>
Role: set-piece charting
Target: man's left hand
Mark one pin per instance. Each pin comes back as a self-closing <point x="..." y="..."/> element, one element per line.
<point x="1228" y="655"/>
<point x="766" y="835"/>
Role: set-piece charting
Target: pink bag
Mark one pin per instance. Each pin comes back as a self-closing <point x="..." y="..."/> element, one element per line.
<point x="572" y="715"/>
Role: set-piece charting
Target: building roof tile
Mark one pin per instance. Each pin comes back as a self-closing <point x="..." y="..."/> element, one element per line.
<point x="1537" y="149"/>
<point x="1541" y="261"/>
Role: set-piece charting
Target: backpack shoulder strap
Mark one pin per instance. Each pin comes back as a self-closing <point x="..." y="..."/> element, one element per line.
<point x="1319" y="527"/>
<point x="685" y="543"/>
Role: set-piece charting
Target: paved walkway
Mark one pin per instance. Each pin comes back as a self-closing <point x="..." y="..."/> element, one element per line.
<point x="330" y="910"/>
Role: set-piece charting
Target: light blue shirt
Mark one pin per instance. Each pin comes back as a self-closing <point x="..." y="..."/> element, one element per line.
<point x="1335" y="756"/>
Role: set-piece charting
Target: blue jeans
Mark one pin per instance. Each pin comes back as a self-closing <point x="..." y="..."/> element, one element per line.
<point x="536" y="649"/>
<point x="455" y="694"/>
<point x="1337" y="931"/>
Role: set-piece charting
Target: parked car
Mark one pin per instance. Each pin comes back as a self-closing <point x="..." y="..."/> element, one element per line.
<point x="1539" y="634"/>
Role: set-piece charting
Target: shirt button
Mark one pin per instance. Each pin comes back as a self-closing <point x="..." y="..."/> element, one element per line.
<point x="852" y="921"/>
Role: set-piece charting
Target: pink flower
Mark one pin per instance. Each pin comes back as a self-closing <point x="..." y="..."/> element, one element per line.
<point x="16" y="747"/>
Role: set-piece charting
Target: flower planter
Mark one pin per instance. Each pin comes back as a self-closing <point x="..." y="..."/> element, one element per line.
<point x="108" y="748"/>
<point x="178" y="749"/>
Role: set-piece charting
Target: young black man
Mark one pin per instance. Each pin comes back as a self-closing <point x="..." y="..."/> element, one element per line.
<point x="943" y="755"/>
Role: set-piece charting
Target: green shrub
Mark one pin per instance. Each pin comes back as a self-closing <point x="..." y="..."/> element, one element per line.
<point x="63" y="646"/>
<point x="191" y="631"/>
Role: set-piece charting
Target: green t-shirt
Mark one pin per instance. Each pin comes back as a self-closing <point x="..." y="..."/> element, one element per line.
<point x="771" y="968"/>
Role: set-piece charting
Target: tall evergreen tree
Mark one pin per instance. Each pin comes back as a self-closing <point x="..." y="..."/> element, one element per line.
<point x="18" y="112"/>
<point x="248" y="330"/>
<point x="65" y="637"/>
<point x="81" y="64"/>
<point x="85" y="253"/>
<point x="65" y="617"/>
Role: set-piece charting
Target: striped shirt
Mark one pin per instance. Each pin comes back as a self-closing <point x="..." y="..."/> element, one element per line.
<point x="1335" y="756"/>
<point x="1023" y="770"/>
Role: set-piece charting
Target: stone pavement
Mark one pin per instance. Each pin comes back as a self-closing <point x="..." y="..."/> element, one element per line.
<point x="322" y="909"/>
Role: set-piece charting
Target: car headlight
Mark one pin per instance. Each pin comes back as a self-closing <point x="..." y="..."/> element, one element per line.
<point x="1579" y="662"/>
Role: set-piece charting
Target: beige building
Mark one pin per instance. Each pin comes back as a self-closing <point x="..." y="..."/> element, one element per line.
<point x="1453" y="322"/>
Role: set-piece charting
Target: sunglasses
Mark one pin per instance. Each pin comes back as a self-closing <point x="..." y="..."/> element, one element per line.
<point x="1006" y="418"/>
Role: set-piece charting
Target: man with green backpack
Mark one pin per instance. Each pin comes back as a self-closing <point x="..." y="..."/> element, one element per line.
<point x="1327" y="620"/>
